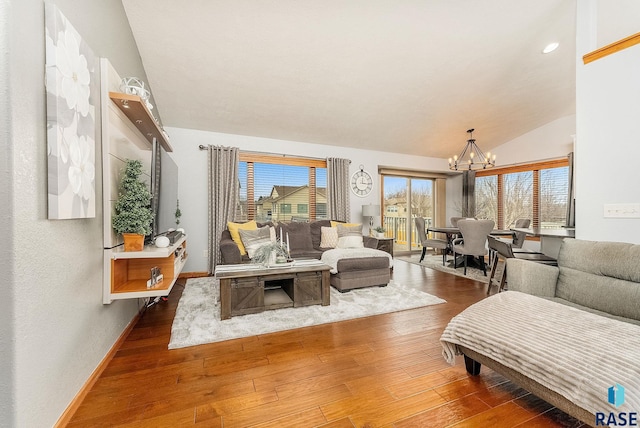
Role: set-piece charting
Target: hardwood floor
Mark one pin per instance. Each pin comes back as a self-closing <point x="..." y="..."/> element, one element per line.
<point x="381" y="371"/>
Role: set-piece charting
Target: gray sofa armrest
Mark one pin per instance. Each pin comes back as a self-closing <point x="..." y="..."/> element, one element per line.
<point x="230" y="252"/>
<point x="532" y="278"/>
<point x="370" y="242"/>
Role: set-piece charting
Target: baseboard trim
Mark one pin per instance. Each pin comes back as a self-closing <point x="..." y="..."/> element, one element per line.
<point x="71" y="409"/>
<point x="186" y="275"/>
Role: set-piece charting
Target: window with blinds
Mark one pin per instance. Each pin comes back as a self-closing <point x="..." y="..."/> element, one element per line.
<point x="281" y="189"/>
<point x="554" y="183"/>
<point x="536" y="191"/>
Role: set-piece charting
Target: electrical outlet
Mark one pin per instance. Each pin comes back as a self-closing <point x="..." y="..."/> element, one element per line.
<point x="622" y="210"/>
<point x="205" y="254"/>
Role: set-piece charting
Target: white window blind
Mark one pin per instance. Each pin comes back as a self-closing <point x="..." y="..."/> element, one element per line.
<point x="281" y="189"/>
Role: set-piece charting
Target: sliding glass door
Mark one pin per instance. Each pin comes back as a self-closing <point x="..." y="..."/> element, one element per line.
<point x="406" y="198"/>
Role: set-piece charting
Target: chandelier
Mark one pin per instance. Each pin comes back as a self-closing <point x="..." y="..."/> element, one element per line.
<point x="471" y="158"/>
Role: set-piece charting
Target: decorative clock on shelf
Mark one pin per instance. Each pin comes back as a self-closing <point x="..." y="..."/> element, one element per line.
<point x="361" y="182"/>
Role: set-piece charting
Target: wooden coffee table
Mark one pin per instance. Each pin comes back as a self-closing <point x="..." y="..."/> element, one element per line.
<point x="249" y="289"/>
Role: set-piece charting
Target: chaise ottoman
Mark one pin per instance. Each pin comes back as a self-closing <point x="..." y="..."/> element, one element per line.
<point x="358" y="268"/>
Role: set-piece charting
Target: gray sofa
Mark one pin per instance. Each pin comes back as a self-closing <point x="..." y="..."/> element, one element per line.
<point x="565" y="333"/>
<point x="304" y="239"/>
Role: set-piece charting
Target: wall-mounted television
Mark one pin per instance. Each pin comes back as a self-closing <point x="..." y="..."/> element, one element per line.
<point x="164" y="188"/>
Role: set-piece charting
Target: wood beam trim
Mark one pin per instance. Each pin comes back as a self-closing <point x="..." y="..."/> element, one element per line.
<point x="612" y="48"/>
<point x="282" y="160"/>
<point x="555" y="163"/>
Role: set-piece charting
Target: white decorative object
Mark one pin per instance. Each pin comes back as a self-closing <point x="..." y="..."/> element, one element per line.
<point x="180" y="229"/>
<point x="162" y="242"/>
<point x="135" y="86"/>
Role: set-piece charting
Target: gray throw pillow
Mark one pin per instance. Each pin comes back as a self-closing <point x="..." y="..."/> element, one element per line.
<point x="349" y="230"/>
<point x="254" y="239"/>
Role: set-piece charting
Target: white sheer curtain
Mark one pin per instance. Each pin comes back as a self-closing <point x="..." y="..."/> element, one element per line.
<point x="338" y="189"/>
<point x="223" y="196"/>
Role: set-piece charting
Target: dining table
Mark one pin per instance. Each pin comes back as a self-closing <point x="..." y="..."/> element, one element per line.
<point x="452" y="233"/>
<point x="550" y="239"/>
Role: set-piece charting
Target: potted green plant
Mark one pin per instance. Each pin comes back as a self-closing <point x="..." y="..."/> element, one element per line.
<point x="133" y="208"/>
<point x="379" y="232"/>
<point x="178" y="213"/>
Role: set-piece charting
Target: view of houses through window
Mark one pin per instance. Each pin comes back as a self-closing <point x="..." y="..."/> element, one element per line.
<point x="538" y="192"/>
<point x="406" y="198"/>
<point x="281" y="189"/>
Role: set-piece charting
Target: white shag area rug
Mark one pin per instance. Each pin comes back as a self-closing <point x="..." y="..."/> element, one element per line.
<point x="197" y="320"/>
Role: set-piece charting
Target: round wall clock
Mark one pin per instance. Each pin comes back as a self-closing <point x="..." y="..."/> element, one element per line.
<point x="361" y="182"/>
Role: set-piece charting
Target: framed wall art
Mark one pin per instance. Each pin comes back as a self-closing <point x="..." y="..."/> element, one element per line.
<point x="72" y="94"/>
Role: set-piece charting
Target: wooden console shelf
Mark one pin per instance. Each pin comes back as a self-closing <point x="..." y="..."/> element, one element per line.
<point x="136" y="110"/>
<point x="127" y="272"/>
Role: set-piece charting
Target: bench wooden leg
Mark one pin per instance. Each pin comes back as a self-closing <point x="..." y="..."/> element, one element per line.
<point x="472" y="366"/>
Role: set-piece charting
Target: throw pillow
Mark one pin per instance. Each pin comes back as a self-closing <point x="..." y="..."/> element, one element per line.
<point x="336" y="223"/>
<point x="350" y="242"/>
<point x="328" y="237"/>
<point x="235" y="235"/>
<point x="350" y="236"/>
<point x="349" y="230"/>
<point x="254" y="239"/>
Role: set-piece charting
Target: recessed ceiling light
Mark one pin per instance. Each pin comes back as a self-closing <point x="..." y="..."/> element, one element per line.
<point x="550" y="47"/>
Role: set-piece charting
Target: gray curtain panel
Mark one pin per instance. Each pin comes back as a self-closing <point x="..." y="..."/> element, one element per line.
<point x="223" y="196"/>
<point x="338" y="189"/>
<point x="468" y="194"/>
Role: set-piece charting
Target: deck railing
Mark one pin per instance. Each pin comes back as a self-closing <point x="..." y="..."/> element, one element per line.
<point x="396" y="228"/>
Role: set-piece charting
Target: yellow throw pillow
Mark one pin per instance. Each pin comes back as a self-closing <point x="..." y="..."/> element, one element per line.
<point x="235" y="235"/>
<point x="336" y="223"/>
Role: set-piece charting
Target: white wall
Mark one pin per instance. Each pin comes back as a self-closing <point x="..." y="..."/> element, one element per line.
<point x="551" y="141"/>
<point x="59" y="329"/>
<point x="192" y="164"/>
<point x="608" y="140"/>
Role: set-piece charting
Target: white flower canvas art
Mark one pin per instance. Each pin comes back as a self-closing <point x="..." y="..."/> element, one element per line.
<point x="72" y="94"/>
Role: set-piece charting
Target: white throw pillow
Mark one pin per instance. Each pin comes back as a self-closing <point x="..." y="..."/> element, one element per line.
<point x="350" y="242"/>
<point x="328" y="237"/>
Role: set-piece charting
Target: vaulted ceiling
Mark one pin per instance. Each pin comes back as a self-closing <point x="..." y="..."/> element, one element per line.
<point x="403" y="76"/>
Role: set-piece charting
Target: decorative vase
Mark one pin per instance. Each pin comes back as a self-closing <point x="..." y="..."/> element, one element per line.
<point x="162" y="242"/>
<point x="133" y="241"/>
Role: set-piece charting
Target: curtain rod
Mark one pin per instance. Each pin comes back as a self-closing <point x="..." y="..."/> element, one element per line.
<point x="203" y="147"/>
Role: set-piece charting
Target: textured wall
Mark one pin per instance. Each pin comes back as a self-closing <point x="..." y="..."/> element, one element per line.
<point x="60" y="329"/>
<point x="607" y="132"/>
<point x="7" y="346"/>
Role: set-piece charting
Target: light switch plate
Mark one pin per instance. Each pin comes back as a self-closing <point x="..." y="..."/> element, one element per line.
<point x="622" y="210"/>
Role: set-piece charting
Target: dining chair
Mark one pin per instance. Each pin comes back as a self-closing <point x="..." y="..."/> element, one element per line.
<point x="474" y="241"/>
<point x="519" y="237"/>
<point x="504" y="250"/>
<point x="454" y="221"/>
<point x="439" y="244"/>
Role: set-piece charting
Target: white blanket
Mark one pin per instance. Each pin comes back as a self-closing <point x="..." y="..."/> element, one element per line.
<point x="331" y="257"/>
<point x="570" y="351"/>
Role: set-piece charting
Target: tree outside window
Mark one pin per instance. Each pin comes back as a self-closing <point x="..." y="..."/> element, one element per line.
<point x="538" y="192"/>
